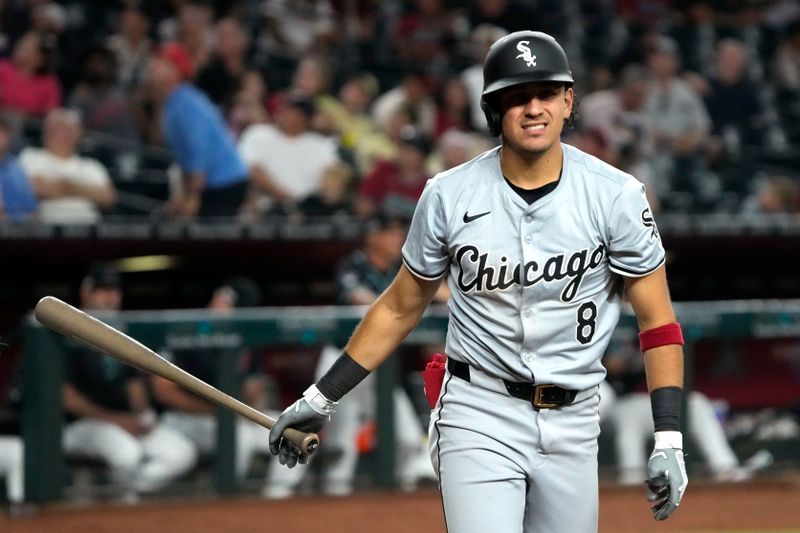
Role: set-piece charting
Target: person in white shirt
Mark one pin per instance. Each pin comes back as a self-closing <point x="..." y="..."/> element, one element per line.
<point x="71" y="189"/>
<point x="287" y="160"/>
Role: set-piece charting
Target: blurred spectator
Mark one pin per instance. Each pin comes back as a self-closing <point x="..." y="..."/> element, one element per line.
<point x="617" y="119"/>
<point x="334" y="196"/>
<point x="593" y="141"/>
<point x="424" y="35"/>
<point x="619" y="113"/>
<point x="249" y="104"/>
<point x="310" y="80"/>
<point x="510" y="15"/>
<point x="132" y="46"/>
<point x="738" y="122"/>
<point x="109" y="414"/>
<point x="193" y="31"/>
<point x="732" y="98"/>
<point x="17" y="199"/>
<point x="347" y="115"/>
<point x="222" y="77"/>
<point x="371" y="150"/>
<point x="414" y="93"/>
<point x="193" y="416"/>
<point x="481" y="39"/>
<point x="298" y="28"/>
<point x="362" y="26"/>
<point x="214" y="177"/>
<point x="394" y="186"/>
<point x="453" y="109"/>
<point x="287" y="160"/>
<point x="642" y="14"/>
<point x="696" y="36"/>
<point x="454" y="148"/>
<point x="27" y="85"/>
<point x="679" y="118"/>
<point x="71" y="189"/>
<point x="360" y="278"/>
<point x="292" y="30"/>
<point x="773" y="195"/>
<point x="105" y="107"/>
<point x="786" y="63"/>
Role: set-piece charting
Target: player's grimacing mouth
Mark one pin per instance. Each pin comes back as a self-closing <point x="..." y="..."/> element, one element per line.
<point x="534" y="128"/>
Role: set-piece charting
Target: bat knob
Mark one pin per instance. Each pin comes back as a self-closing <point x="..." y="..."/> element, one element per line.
<point x="311" y="443"/>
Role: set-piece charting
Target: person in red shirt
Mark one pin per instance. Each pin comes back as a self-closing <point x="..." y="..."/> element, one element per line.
<point x="27" y="86"/>
<point x="395" y="185"/>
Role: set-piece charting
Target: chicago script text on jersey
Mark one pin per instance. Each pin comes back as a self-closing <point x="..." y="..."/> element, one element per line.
<point x="476" y="274"/>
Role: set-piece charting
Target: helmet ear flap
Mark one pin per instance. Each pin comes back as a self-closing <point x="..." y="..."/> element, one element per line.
<point x="493" y="118"/>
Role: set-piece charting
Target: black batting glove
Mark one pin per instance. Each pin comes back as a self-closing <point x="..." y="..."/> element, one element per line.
<point x="308" y="414"/>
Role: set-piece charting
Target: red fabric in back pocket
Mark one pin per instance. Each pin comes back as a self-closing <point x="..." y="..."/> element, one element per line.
<point x="432" y="377"/>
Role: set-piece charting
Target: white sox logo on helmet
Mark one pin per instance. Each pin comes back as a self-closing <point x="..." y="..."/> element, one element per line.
<point x="526" y="54"/>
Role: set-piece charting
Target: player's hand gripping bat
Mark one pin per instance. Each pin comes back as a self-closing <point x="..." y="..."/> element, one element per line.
<point x="75" y="324"/>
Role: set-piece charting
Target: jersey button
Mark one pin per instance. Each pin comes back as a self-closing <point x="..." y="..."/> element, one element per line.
<point x="528" y="313"/>
<point x="528" y="219"/>
<point x="528" y="239"/>
<point x="527" y="357"/>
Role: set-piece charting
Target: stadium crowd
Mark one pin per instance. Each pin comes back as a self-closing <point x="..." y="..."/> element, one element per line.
<point x="322" y="108"/>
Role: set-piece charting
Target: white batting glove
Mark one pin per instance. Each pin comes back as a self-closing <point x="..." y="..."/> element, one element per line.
<point x="666" y="474"/>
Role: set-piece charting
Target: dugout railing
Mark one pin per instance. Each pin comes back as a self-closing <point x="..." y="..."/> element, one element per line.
<point x="309" y="326"/>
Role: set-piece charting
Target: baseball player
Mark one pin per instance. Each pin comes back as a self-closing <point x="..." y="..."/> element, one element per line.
<point x="108" y="410"/>
<point x="538" y="241"/>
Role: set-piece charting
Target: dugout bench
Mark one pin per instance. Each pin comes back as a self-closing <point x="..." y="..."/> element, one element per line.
<point x="309" y="326"/>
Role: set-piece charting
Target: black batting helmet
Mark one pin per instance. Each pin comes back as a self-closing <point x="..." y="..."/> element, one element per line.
<point x="518" y="58"/>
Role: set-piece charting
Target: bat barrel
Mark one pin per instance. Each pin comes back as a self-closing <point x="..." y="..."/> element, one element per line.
<point x="75" y="324"/>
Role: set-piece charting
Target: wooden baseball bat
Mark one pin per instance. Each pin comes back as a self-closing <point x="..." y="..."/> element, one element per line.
<point x="75" y="324"/>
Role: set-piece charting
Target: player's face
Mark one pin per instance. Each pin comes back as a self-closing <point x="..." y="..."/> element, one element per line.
<point x="102" y="298"/>
<point x="534" y="115"/>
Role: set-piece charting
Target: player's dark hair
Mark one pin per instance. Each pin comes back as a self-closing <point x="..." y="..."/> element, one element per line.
<point x="569" y="122"/>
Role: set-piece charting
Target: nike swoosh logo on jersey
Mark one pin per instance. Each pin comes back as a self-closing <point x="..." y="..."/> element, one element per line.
<point x="468" y="218"/>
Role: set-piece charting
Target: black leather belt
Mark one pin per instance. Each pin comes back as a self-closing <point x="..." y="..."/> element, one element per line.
<point x="540" y="396"/>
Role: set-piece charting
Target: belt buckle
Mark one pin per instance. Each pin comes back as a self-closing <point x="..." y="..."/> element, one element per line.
<point x="537" y="401"/>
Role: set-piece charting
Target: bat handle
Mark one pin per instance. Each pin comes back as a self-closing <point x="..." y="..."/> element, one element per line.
<point x="307" y="442"/>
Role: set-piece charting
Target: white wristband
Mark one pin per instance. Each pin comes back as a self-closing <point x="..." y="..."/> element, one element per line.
<point x="318" y="401"/>
<point x="668" y="439"/>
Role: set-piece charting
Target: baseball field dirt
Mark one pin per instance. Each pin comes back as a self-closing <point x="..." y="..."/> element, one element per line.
<point x="762" y="507"/>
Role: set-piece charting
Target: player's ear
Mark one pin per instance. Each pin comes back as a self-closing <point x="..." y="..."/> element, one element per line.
<point x="569" y="100"/>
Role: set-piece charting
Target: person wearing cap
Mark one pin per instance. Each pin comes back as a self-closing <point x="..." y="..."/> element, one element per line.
<point x="108" y="410"/>
<point x="361" y="277"/>
<point x="395" y="185"/>
<point x="194" y="417"/>
<point x="537" y="241"/>
<point x="214" y="178"/>
<point x="287" y="159"/>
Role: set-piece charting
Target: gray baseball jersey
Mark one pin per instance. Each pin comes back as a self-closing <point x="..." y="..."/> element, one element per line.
<point x="535" y="288"/>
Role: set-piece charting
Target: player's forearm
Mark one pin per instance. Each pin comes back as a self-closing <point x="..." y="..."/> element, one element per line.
<point x="173" y="397"/>
<point x="380" y="333"/>
<point x="77" y="404"/>
<point x="664" y="366"/>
